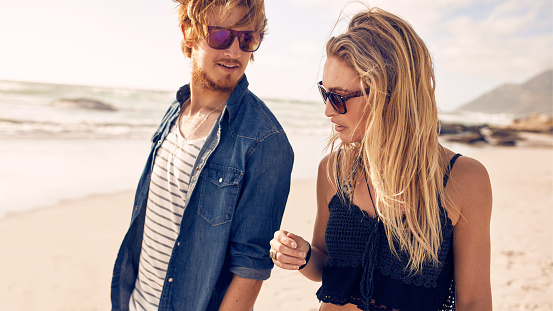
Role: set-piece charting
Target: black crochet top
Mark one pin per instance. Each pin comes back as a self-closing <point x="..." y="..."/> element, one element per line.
<point x="362" y="270"/>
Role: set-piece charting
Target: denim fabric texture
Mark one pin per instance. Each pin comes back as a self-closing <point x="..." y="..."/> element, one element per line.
<point x="236" y="199"/>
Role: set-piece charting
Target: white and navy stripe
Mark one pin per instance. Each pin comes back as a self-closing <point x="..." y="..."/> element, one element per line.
<point x="166" y="203"/>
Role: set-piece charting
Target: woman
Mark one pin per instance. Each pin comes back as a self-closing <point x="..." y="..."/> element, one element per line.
<point x="402" y="222"/>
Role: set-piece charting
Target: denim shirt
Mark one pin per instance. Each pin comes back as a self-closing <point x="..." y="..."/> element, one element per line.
<point x="235" y="202"/>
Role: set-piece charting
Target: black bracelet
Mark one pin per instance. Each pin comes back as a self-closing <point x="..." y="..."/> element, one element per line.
<point x="306" y="257"/>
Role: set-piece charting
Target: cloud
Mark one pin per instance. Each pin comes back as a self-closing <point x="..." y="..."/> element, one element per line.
<point x="476" y="44"/>
<point x="505" y="43"/>
<point x="483" y="45"/>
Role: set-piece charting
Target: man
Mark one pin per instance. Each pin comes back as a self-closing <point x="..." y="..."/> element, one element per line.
<point x="216" y="181"/>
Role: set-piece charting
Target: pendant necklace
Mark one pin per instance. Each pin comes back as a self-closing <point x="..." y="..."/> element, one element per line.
<point x="199" y="124"/>
<point x="178" y="145"/>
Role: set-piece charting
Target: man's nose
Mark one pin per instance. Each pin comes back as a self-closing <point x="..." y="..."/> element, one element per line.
<point x="233" y="51"/>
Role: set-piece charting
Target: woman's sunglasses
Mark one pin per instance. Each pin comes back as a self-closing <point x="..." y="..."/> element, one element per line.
<point x="338" y="101"/>
<point x="221" y="38"/>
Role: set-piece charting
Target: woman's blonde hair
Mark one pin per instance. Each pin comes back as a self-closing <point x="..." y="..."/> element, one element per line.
<point x="192" y="15"/>
<point x="399" y="150"/>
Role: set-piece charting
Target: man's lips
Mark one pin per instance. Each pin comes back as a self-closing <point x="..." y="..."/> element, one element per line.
<point x="228" y="66"/>
<point x="229" y="63"/>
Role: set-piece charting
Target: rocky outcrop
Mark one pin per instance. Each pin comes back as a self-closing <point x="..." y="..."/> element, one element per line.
<point x="510" y="135"/>
<point x="501" y="137"/>
<point x="462" y="133"/>
<point x="536" y="123"/>
<point x="83" y="103"/>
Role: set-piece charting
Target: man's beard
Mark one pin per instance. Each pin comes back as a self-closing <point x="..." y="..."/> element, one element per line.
<point x="200" y="78"/>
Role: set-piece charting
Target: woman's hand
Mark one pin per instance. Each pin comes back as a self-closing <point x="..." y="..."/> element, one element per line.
<point x="288" y="250"/>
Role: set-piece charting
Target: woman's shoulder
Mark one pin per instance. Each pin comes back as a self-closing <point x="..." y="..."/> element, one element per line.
<point x="469" y="186"/>
<point x="469" y="173"/>
<point x="325" y="161"/>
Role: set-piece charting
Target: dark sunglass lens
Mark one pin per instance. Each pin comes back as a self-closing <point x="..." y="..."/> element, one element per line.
<point x="250" y="41"/>
<point x="220" y="39"/>
<point x="337" y="103"/>
<point x="323" y="92"/>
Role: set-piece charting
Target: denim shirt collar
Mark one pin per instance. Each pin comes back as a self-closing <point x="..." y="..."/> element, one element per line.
<point x="232" y="105"/>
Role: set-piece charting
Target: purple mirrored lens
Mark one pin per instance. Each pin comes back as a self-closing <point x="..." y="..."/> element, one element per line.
<point x="250" y="41"/>
<point x="220" y="39"/>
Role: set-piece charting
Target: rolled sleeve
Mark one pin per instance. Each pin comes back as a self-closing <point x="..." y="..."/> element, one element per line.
<point x="254" y="274"/>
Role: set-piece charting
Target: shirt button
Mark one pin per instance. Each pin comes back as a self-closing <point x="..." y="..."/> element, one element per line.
<point x="170" y="280"/>
<point x="220" y="180"/>
<point x="178" y="243"/>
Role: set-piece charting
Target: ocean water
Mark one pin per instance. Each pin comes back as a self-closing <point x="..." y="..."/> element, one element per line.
<point x="53" y="147"/>
<point x="34" y="110"/>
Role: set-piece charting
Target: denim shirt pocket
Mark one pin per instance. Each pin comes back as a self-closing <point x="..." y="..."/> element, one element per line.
<point x="219" y="187"/>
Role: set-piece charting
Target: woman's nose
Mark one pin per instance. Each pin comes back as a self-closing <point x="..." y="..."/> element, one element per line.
<point x="329" y="110"/>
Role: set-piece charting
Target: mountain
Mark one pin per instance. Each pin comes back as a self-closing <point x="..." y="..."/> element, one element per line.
<point x="533" y="96"/>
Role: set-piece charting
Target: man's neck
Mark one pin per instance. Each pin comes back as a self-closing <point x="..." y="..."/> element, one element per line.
<point x="204" y="98"/>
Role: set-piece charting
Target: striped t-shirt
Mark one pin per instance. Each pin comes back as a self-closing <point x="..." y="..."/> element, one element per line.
<point x="166" y="202"/>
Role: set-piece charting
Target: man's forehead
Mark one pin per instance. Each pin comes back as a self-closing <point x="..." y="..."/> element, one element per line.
<point x="226" y="17"/>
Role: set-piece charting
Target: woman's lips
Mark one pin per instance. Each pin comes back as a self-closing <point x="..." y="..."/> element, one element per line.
<point x="339" y="127"/>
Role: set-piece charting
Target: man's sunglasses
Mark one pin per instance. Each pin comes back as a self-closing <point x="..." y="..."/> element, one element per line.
<point x="221" y="38"/>
<point x="338" y="101"/>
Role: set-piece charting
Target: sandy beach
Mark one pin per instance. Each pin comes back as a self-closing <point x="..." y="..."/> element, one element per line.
<point x="61" y="257"/>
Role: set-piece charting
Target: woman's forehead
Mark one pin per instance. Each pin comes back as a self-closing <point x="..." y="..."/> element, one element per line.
<point x="337" y="75"/>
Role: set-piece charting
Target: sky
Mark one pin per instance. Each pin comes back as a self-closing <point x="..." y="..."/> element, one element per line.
<point x="476" y="45"/>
